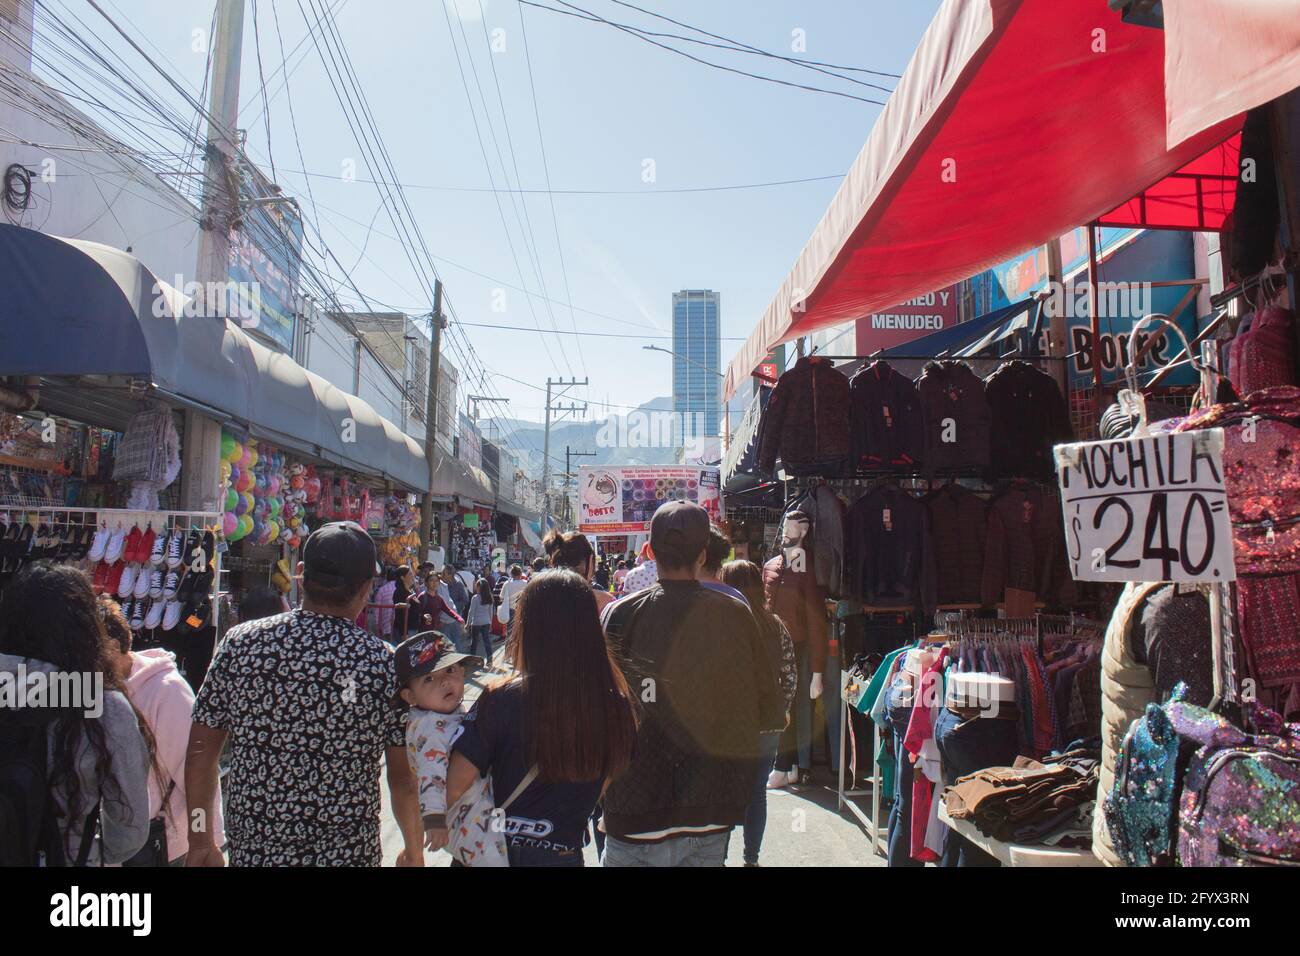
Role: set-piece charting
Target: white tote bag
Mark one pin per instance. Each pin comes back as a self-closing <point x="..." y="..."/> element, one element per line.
<point x="475" y="830"/>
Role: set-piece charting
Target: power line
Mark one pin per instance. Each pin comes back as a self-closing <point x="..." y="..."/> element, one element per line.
<point x="587" y="15"/>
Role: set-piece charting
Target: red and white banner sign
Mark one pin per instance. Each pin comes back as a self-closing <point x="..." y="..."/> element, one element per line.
<point x="911" y="320"/>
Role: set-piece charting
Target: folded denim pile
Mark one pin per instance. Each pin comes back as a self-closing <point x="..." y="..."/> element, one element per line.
<point x="1030" y="802"/>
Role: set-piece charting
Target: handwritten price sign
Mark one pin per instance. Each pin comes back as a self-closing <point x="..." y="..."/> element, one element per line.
<point x="1147" y="509"/>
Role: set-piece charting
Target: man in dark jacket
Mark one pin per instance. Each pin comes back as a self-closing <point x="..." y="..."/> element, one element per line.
<point x="690" y="659"/>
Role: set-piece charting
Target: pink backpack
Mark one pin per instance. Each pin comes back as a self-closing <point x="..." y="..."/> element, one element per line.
<point x="1262" y="354"/>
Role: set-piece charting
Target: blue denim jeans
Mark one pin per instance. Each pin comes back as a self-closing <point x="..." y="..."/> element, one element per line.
<point x="756" y="812"/>
<point x="710" y="850"/>
<point x="452" y="630"/>
<point x="481" y="634"/>
<point x="964" y="748"/>
<point x="900" y="815"/>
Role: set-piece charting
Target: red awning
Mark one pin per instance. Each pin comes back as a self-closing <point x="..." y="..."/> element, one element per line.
<point x="1223" y="57"/>
<point x="1016" y="121"/>
<point x="1200" y="196"/>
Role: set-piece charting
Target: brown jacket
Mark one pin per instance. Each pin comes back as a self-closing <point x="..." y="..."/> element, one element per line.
<point x="796" y="598"/>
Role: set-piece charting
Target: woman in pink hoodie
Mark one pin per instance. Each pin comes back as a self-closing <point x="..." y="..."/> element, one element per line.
<point x="164" y="700"/>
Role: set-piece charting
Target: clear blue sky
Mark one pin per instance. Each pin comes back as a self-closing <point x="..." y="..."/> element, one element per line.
<point x="607" y="102"/>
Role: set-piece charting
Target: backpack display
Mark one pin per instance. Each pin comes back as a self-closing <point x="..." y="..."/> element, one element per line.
<point x="1140" y="810"/>
<point x="1262" y="353"/>
<point x="1241" y="794"/>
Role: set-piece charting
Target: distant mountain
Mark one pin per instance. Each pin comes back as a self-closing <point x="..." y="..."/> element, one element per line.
<point x="622" y="439"/>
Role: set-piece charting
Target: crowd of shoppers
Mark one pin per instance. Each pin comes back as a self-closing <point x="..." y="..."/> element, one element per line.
<point x="650" y="717"/>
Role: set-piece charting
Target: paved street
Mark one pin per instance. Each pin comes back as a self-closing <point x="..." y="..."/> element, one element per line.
<point x="803" y="828"/>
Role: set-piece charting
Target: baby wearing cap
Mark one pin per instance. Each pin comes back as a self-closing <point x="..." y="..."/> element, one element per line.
<point x="431" y="678"/>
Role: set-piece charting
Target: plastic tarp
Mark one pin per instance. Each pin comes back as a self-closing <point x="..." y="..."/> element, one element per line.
<point x="1223" y="57"/>
<point x="72" y="308"/>
<point x="1015" y="121"/>
<point x="958" y="337"/>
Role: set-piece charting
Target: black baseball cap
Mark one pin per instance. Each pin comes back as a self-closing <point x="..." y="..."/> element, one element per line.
<point x="425" y="652"/>
<point x="679" y="531"/>
<point x="339" y="553"/>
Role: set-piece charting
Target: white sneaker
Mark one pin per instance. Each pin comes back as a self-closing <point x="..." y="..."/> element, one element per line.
<point x="155" y="615"/>
<point x="171" y="615"/>
<point x="141" y="590"/>
<point x="159" y="553"/>
<point x="155" y="583"/>
<point x="174" y="545"/>
<point x="116" y="545"/>
<point x="99" y="546"/>
<point x="777" y="779"/>
<point x="126" y="587"/>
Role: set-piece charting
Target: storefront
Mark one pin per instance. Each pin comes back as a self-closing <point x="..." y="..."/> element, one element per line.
<point x="129" y="412"/>
<point x="978" y="557"/>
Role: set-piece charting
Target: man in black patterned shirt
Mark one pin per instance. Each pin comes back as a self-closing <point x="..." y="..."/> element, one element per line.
<point x="306" y="700"/>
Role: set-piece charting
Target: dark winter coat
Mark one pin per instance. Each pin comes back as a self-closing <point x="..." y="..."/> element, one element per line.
<point x="1029" y="416"/>
<point x="806" y="421"/>
<point x="888" y="430"/>
<point x="954" y="408"/>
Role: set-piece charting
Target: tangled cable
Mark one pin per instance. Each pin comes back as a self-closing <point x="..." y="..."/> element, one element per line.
<point x="17" y="188"/>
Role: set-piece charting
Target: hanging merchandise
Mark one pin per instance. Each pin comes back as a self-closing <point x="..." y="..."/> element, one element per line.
<point x="149" y="456"/>
<point x="805" y="422"/>
<point x="1029" y="416"/>
<point x="956" y="415"/>
<point x="1262" y="355"/>
<point x="885" y="412"/>
<point x="888" y="561"/>
<point x="958" y="523"/>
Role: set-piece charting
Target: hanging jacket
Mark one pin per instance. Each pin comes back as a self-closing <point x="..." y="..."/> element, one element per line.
<point x="888" y="562"/>
<point x="806" y="421"/>
<point x="796" y="599"/>
<point x="958" y="521"/>
<point x="1029" y="416"/>
<point x="956" y="416"/>
<point x="826" y="512"/>
<point x="1025" y="548"/>
<point x="888" y="430"/>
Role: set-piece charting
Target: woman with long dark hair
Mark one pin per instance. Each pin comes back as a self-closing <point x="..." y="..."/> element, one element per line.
<point x="98" y="763"/>
<point x="574" y="551"/>
<point x="747" y="578"/>
<point x="479" y="620"/>
<point x="566" y="713"/>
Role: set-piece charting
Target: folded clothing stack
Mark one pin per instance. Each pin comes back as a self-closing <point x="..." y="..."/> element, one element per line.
<point x="1029" y="801"/>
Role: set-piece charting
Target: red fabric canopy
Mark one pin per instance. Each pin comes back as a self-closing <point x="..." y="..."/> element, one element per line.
<point x="1016" y="121"/>
<point x="1199" y="196"/>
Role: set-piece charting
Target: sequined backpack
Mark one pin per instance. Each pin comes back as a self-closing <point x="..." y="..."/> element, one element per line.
<point x="1141" y="809"/>
<point x="1240" y="803"/>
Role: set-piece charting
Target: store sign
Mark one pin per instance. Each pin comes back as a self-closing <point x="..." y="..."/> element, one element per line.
<point x="622" y="500"/>
<point x="772" y="366"/>
<point x="1147" y="509"/>
<point x="265" y="258"/>
<point x="924" y="315"/>
<point x="471" y="520"/>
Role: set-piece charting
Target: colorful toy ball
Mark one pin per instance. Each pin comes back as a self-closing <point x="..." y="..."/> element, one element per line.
<point x="229" y="522"/>
<point x="232" y="499"/>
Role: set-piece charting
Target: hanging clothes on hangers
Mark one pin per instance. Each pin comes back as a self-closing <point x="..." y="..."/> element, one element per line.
<point x="1028" y="416"/>
<point x="956" y="415"/>
<point x="805" y="421"/>
<point x="888" y="561"/>
<point x="888" y="428"/>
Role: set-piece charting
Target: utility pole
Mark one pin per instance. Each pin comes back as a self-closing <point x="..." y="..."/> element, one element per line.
<point x="436" y="323"/>
<point x="563" y="387"/>
<point x="569" y="455"/>
<point x="220" y="170"/>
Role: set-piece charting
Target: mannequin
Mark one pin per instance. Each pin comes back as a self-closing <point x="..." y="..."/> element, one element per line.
<point x="794" y="595"/>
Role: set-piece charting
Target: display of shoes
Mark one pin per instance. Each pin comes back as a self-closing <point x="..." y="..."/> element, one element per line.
<point x="141" y="589"/>
<point x="155" y="615"/>
<point x="170" y="585"/>
<point x="116" y="545"/>
<point x="158" y="552"/>
<point x="126" y="583"/>
<point x="171" y="615"/>
<point x="144" y="549"/>
<point x="155" y="583"/>
<point x="174" y="545"/>
<point x="99" y="545"/>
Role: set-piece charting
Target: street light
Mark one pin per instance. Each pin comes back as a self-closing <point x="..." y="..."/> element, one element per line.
<point x="726" y="406"/>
